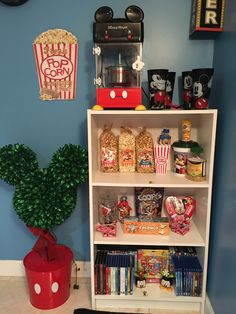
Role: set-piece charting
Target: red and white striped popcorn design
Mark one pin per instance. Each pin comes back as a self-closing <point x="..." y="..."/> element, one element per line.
<point x="161" y="155"/>
<point x="57" y="69"/>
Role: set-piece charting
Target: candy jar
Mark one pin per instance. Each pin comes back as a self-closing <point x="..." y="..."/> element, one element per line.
<point x="107" y="213"/>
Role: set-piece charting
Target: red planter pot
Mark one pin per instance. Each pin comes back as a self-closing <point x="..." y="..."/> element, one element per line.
<point x="49" y="281"/>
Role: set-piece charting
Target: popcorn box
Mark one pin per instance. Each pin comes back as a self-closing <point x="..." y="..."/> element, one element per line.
<point x="161" y="154"/>
<point x="145" y="225"/>
<point x="56" y="54"/>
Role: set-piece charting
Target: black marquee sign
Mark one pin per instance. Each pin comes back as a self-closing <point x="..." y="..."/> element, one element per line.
<point x="207" y="16"/>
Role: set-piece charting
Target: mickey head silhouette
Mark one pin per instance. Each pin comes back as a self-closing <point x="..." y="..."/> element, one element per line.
<point x="45" y="197"/>
<point x="158" y="83"/>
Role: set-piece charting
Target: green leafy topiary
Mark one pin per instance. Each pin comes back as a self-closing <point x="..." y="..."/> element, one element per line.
<point x="16" y="161"/>
<point x="44" y="197"/>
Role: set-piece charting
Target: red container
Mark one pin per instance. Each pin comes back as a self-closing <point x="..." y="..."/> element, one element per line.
<point x="49" y="281"/>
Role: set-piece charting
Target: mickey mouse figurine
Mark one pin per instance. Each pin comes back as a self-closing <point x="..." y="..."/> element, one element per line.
<point x="124" y="208"/>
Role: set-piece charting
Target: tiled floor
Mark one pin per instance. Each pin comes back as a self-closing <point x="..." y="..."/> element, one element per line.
<point x="14" y="299"/>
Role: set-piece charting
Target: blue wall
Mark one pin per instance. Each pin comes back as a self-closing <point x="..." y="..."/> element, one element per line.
<point x="45" y="126"/>
<point x="222" y="259"/>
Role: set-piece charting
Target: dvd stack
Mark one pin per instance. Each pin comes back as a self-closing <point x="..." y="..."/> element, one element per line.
<point x="114" y="272"/>
<point x="188" y="275"/>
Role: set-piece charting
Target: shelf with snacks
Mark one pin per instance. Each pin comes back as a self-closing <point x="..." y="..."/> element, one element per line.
<point x="117" y="183"/>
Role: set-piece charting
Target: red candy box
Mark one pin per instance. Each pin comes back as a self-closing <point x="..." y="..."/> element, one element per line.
<point x="181" y="210"/>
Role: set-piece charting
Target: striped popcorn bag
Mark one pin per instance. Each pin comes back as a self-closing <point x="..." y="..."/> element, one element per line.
<point x="56" y="54"/>
<point x="161" y="155"/>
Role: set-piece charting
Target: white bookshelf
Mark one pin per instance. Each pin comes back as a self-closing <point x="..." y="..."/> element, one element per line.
<point x="203" y="131"/>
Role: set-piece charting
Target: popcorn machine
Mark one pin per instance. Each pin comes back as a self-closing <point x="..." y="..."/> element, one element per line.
<point x="118" y="58"/>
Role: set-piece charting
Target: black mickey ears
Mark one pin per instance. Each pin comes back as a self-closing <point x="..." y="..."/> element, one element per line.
<point x="105" y="14"/>
<point x="134" y="14"/>
<point x="13" y="2"/>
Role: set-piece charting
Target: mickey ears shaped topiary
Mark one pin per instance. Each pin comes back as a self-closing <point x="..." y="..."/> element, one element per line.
<point x="69" y="166"/>
<point x="44" y="197"/>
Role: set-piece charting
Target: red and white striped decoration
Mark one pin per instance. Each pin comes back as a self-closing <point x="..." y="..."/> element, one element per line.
<point x="57" y="68"/>
<point x="161" y="155"/>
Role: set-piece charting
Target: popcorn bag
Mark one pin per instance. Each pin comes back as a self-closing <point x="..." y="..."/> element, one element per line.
<point x="127" y="156"/>
<point x="144" y="151"/>
<point x="108" y="150"/>
<point x="161" y="154"/>
<point x="56" y="54"/>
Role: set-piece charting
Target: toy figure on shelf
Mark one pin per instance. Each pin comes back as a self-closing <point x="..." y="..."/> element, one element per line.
<point x="164" y="138"/>
<point x="166" y="280"/>
<point x="140" y="279"/>
<point x="124" y="208"/>
<point x="108" y="230"/>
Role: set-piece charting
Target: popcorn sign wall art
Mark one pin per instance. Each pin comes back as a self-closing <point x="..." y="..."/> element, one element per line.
<point x="56" y="54"/>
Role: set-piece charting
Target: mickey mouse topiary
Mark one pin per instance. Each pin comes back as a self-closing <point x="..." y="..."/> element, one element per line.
<point x="44" y="197"/>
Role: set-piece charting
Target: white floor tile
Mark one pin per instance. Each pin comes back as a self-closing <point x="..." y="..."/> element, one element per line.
<point x="14" y="299"/>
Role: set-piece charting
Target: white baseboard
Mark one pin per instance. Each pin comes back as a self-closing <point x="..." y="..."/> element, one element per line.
<point x="16" y="268"/>
<point x="208" y="307"/>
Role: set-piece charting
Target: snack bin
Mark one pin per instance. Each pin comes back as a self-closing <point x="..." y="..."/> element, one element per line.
<point x="49" y="281"/>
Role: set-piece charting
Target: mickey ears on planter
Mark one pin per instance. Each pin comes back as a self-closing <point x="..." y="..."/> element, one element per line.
<point x="105" y="14"/>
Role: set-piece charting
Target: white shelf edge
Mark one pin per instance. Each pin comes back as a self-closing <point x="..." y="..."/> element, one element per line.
<point x="136" y="179"/>
<point x="151" y="112"/>
<point x="154" y="293"/>
<point x="116" y="184"/>
<point x="173" y="239"/>
<point x="133" y="297"/>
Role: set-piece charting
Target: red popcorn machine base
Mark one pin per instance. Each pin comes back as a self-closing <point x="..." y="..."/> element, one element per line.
<point x="49" y="281"/>
<point x="119" y="97"/>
